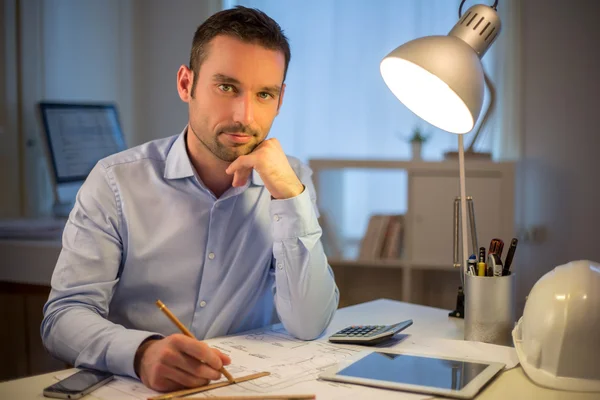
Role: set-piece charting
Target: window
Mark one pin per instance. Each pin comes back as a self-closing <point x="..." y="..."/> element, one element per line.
<point x="336" y="103"/>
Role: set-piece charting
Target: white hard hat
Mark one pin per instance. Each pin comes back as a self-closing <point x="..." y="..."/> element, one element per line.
<point x="558" y="337"/>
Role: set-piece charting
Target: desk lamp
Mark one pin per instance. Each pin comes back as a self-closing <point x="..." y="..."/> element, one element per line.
<point x="441" y="80"/>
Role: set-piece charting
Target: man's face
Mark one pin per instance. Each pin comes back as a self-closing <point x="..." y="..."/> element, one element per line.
<point x="237" y="95"/>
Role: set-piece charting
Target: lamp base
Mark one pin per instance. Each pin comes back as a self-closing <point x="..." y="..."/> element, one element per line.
<point x="470" y="155"/>
<point x="459" y="312"/>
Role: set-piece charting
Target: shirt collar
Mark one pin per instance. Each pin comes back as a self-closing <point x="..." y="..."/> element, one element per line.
<point x="256" y="179"/>
<point x="178" y="164"/>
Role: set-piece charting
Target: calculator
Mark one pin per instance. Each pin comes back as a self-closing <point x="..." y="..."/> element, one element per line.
<point x="368" y="334"/>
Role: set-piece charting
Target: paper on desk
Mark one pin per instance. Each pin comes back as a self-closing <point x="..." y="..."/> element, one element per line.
<point x="455" y="348"/>
<point x="294" y="366"/>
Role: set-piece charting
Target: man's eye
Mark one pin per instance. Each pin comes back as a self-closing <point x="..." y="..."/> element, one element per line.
<point x="226" y="88"/>
<point x="265" y="95"/>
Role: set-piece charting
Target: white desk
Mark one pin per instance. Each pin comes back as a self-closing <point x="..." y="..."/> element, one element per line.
<point x="433" y="322"/>
<point x="28" y="261"/>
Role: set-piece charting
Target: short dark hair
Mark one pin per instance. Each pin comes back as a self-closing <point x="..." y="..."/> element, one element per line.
<point x="247" y="24"/>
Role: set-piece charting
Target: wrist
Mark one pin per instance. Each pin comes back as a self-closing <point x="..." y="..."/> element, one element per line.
<point x="292" y="192"/>
<point x="139" y="354"/>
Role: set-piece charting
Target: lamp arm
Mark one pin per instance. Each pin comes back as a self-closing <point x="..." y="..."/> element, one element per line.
<point x="488" y="110"/>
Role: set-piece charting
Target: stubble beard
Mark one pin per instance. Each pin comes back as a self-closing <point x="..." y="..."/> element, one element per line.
<point x="223" y="152"/>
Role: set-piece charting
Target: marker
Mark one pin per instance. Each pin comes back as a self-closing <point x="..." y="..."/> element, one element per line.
<point x="471" y="265"/>
<point x="481" y="269"/>
<point x="496" y="246"/>
<point x="481" y="264"/>
<point x="509" y="256"/>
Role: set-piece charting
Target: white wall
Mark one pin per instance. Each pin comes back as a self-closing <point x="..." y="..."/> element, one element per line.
<point x="559" y="183"/>
<point x="162" y="33"/>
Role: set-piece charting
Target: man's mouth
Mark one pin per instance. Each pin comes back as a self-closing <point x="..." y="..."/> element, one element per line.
<point x="237" y="137"/>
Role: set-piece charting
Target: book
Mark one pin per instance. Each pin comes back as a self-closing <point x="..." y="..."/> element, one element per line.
<point x="374" y="238"/>
<point x="392" y="247"/>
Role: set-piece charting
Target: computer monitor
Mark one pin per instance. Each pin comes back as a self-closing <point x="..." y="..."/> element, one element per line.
<point x="77" y="136"/>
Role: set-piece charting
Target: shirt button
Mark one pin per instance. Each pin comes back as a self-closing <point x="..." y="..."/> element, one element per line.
<point x="276" y="217"/>
<point x="280" y="265"/>
<point x="202" y="304"/>
<point x="211" y="256"/>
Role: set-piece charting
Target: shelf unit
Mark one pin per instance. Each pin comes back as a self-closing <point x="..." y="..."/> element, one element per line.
<point x="428" y="222"/>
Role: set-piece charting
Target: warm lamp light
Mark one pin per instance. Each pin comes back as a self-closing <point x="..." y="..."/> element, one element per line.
<point x="441" y="80"/>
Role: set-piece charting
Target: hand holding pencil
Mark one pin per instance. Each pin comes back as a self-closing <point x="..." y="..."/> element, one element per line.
<point x="187" y="333"/>
<point x="178" y="361"/>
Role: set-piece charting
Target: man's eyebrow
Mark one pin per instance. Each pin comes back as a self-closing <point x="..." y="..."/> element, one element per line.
<point x="225" y="79"/>
<point x="275" y="89"/>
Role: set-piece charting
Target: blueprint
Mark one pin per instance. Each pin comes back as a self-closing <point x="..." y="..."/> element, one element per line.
<point x="294" y="365"/>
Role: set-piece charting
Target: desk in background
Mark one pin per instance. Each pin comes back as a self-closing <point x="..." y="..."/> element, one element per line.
<point x="428" y="321"/>
<point x="25" y="272"/>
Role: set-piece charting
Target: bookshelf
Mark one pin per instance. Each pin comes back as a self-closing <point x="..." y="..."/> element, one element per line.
<point x="427" y="237"/>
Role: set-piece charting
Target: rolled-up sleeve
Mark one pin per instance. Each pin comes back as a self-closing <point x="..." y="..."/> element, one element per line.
<point x="75" y="327"/>
<point x="306" y="295"/>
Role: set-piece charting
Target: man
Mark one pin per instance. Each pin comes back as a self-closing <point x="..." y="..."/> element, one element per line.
<point x="216" y="222"/>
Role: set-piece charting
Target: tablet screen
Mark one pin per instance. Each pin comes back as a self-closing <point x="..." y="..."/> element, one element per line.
<point x="415" y="370"/>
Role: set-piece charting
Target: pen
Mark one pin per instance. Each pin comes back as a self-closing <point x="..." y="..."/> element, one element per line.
<point x="495" y="262"/>
<point x="161" y="306"/>
<point x="509" y="256"/>
<point x="481" y="264"/>
<point x="471" y="265"/>
<point x="496" y="247"/>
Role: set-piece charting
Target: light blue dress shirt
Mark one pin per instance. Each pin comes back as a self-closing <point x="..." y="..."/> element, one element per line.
<point x="144" y="227"/>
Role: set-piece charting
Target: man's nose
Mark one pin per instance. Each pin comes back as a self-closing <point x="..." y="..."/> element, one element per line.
<point x="244" y="112"/>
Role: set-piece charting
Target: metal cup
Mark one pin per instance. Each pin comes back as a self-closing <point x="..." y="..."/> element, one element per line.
<point x="490" y="308"/>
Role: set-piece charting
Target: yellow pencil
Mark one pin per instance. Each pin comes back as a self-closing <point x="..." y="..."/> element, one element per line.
<point x="187" y="333"/>
<point x="255" y="397"/>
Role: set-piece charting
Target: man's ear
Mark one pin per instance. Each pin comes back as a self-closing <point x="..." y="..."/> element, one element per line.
<point x="185" y="80"/>
<point x="280" y="98"/>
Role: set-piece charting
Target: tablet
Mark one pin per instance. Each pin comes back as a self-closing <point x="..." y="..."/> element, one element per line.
<point x="451" y="377"/>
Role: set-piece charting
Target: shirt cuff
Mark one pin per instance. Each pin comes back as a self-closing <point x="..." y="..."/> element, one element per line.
<point x="121" y="351"/>
<point x="294" y="217"/>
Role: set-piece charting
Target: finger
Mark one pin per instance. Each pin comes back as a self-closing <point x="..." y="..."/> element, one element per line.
<point x="184" y="379"/>
<point x="242" y="162"/>
<point x="190" y="365"/>
<point x="241" y="177"/>
<point x="224" y="357"/>
<point x="206" y="371"/>
<point x="198" y="350"/>
<point x="177" y="376"/>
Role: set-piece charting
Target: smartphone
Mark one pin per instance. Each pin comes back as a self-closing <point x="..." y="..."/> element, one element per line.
<point x="78" y="385"/>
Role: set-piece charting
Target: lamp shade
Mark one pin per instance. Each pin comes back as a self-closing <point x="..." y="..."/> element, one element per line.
<point x="440" y="78"/>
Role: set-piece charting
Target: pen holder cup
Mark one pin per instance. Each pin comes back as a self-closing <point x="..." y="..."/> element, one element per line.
<point x="490" y="309"/>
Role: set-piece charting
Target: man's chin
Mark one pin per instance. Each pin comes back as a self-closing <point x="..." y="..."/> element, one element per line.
<point x="231" y="156"/>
